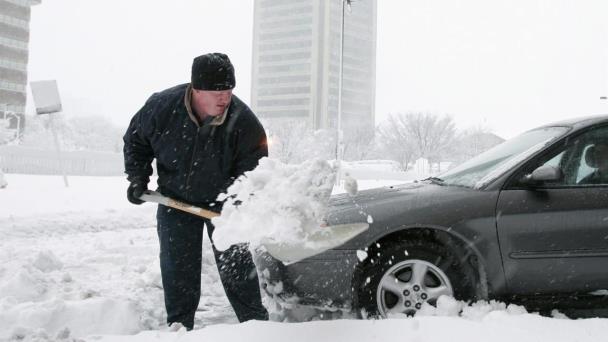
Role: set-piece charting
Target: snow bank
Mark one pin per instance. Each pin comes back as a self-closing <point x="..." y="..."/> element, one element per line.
<point x="32" y="195"/>
<point x="275" y="202"/>
<point x="106" y="315"/>
<point x="68" y="283"/>
<point x="451" y="321"/>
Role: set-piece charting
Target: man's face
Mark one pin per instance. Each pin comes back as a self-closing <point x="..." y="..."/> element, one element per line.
<point x="601" y="153"/>
<point x="211" y="102"/>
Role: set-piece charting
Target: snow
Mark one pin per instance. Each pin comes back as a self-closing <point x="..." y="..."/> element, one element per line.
<point x="361" y="255"/>
<point x="81" y="264"/>
<point x="496" y="326"/>
<point x="256" y="212"/>
<point x="350" y="184"/>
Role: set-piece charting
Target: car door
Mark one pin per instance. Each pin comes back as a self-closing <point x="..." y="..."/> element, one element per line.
<point x="554" y="236"/>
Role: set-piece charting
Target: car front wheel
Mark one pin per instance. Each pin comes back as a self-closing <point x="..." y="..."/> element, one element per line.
<point x="409" y="274"/>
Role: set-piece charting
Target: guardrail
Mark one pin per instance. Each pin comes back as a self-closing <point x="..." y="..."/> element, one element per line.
<point x="17" y="159"/>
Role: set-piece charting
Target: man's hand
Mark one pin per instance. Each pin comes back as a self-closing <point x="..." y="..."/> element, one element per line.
<point x="135" y="190"/>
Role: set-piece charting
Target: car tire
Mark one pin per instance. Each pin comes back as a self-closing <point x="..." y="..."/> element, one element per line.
<point x="402" y="277"/>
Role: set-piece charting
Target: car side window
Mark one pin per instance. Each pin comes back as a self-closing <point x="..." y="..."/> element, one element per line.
<point x="583" y="160"/>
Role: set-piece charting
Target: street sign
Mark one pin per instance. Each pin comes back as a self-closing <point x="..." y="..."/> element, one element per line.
<point x="47" y="101"/>
<point x="46" y="96"/>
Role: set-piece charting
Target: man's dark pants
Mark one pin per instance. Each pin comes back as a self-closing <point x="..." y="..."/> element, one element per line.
<point x="181" y="239"/>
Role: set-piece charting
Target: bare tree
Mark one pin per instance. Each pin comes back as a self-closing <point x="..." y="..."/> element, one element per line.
<point x="359" y="143"/>
<point x="412" y="135"/>
<point x="395" y="141"/>
<point x="293" y="141"/>
<point x="285" y="138"/>
<point x="474" y="141"/>
<point x="432" y="134"/>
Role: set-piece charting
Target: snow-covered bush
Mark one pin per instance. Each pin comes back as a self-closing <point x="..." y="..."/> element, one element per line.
<point x="76" y="133"/>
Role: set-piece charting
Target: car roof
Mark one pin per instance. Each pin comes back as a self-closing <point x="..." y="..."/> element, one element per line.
<point x="579" y="122"/>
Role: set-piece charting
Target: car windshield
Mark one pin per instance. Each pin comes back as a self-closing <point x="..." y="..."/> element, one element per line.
<point x="489" y="165"/>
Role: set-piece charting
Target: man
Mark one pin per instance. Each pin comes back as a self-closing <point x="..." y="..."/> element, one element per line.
<point x="597" y="157"/>
<point x="202" y="138"/>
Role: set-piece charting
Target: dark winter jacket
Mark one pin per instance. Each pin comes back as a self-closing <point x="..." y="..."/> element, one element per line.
<point x="195" y="162"/>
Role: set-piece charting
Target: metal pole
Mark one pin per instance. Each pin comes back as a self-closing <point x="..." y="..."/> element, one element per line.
<point x="339" y="137"/>
<point x="605" y="97"/>
<point x="57" y="148"/>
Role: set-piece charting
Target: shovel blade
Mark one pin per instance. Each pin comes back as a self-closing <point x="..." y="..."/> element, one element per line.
<point x="316" y="243"/>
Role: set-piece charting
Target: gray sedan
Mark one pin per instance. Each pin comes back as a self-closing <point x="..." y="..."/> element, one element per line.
<point x="525" y="220"/>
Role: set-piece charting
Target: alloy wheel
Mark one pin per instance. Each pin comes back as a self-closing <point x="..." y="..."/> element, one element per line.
<point x="406" y="286"/>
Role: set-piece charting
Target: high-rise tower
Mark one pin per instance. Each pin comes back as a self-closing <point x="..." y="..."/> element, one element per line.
<point x="296" y="53"/>
<point x="14" y="40"/>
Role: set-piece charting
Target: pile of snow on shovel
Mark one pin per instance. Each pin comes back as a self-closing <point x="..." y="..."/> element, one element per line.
<point x="275" y="202"/>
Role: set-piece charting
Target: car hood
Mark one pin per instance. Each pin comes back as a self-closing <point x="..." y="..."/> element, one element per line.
<point x="464" y="211"/>
<point x="416" y="201"/>
<point x="366" y="196"/>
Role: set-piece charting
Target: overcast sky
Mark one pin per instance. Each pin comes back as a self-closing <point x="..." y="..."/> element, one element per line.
<point x="506" y="65"/>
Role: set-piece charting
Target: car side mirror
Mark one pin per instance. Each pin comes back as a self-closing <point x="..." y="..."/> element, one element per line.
<point x="545" y="173"/>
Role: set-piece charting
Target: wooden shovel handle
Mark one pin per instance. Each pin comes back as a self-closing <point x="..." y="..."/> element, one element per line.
<point x="153" y="196"/>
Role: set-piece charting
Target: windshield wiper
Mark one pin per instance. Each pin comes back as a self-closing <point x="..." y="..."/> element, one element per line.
<point x="435" y="180"/>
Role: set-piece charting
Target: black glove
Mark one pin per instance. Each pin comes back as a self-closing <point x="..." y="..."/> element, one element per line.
<point x="135" y="190"/>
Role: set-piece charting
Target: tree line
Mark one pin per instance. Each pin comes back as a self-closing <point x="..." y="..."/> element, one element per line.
<point x="403" y="137"/>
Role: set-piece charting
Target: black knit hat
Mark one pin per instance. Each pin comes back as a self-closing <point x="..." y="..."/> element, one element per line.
<point x="212" y="71"/>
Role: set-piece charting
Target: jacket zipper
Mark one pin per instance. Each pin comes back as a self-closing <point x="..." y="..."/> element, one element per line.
<point x="198" y="129"/>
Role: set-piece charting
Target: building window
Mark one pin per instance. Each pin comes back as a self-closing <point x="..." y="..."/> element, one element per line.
<point x="13" y="65"/>
<point x="286" y="34"/>
<point x="283" y="113"/>
<point x="272" y="3"/>
<point x="284" y="79"/>
<point x="287" y="11"/>
<point x="12" y="86"/>
<point x="291" y="57"/>
<point x="283" y="91"/>
<point x="303" y="44"/>
<point x="285" y="68"/>
<point x="303" y="21"/>
<point x="14" y="21"/>
<point x="284" y="102"/>
<point x="13" y="43"/>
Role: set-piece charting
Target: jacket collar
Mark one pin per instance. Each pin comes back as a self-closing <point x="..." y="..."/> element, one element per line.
<point x="218" y="120"/>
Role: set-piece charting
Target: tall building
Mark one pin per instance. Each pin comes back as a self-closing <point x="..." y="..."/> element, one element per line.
<point x="14" y="39"/>
<point x="296" y="62"/>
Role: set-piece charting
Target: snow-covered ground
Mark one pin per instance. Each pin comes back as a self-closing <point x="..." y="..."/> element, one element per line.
<point x="81" y="263"/>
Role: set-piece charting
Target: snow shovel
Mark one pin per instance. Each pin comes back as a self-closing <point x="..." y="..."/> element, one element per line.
<point x="318" y="242"/>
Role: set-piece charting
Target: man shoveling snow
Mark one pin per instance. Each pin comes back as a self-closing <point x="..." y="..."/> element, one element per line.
<point x="202" y="138"/>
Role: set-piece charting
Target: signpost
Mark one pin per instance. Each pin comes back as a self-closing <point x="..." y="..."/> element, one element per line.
<point x="605" y="97"/>
<point x="7" y="132"/>
<point x="340" y="133"/>
<point x="47" y="101"/>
